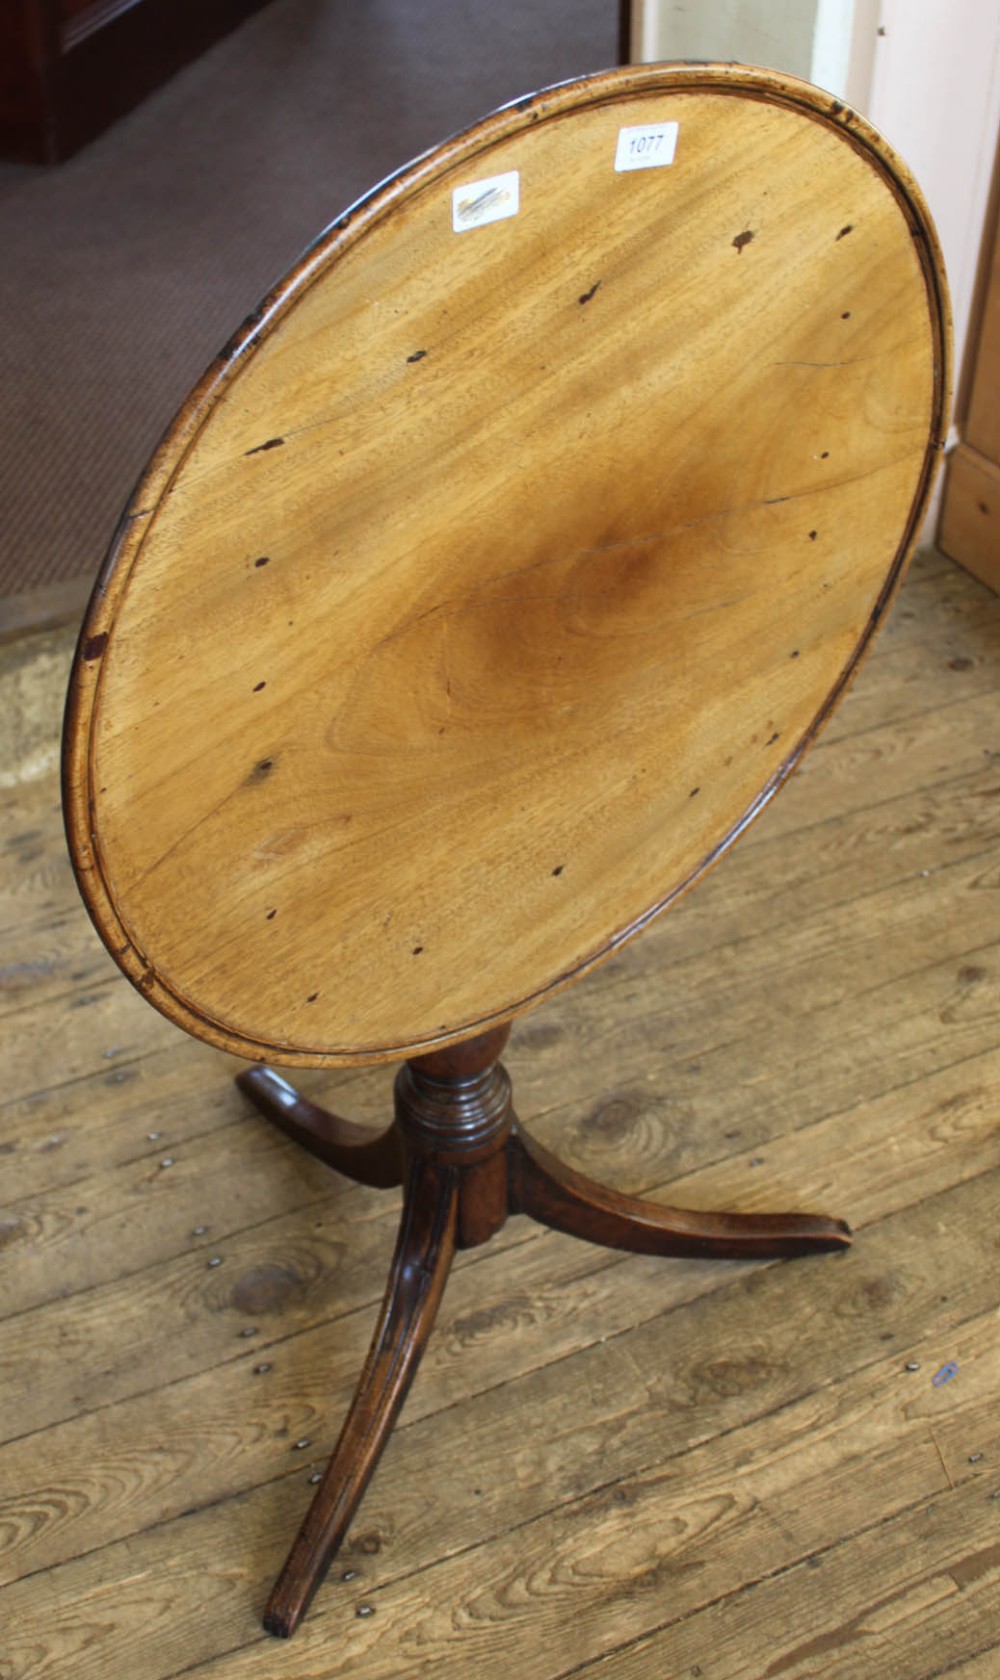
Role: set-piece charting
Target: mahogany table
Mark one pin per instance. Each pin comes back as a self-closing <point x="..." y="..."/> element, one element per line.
<point x="498" y="571"/>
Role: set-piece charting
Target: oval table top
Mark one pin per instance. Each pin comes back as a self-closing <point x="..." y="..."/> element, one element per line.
<point x="505" y="562"/>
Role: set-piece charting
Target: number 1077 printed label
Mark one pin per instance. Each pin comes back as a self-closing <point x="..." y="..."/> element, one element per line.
<point x="648" y="147"/>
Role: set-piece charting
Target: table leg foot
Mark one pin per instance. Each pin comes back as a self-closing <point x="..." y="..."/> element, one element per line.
<point x="556" y="1195"/>
<point x="355" y="1151"/>
<point x="420" y="1267"/>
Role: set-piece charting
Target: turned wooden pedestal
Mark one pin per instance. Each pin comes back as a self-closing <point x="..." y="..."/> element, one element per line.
<point x="502" y="566"/>
<point x="465" y="1163"/>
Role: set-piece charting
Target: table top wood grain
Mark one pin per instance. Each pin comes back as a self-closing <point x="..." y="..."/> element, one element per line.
<point x="498" y="571"/>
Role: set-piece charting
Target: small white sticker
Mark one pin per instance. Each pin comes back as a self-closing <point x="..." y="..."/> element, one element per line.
<point x="486" y="201"/>
<point x="648" y="147"/>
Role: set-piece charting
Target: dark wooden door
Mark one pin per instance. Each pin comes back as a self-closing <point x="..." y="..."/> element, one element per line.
<point x="69" y="68"/>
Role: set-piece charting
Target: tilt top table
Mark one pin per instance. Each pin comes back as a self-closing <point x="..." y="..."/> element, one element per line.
<point x="496" y="574"/>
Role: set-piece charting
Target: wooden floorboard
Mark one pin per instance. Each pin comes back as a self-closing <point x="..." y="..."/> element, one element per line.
<point x="609" y="1466"/>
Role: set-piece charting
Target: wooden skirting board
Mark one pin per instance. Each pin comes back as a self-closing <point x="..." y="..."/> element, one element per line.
<point x="970" y="521"/>
<point x="970" y="515"/>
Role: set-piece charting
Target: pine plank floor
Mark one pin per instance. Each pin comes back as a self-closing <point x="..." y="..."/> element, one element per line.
<point x="609" y="1466"/>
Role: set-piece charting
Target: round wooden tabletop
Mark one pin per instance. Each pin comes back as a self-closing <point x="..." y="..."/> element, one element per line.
<point x="505" y="562"/>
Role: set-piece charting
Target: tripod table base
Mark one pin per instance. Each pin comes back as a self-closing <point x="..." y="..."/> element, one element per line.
<point x="465" y="1164"/>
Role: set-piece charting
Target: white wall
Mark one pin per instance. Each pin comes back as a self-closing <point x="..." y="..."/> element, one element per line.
<point x="778" y="33"/>
<point x="935" y="94"/>
<point x="843" y="48"/>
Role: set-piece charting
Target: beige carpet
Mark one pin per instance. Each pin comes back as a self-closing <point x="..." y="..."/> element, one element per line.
<point x="123" y="271"/>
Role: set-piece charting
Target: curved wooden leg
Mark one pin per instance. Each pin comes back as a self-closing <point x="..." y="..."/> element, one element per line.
<point x="420" y="1267"/>
<point x="554" y="1194"/>
<point x="352" y="1150"/>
